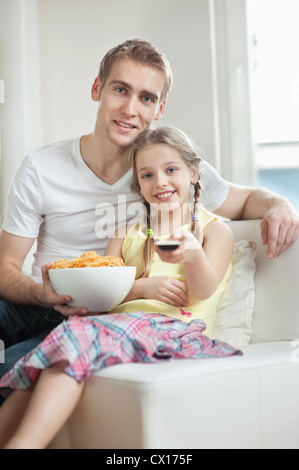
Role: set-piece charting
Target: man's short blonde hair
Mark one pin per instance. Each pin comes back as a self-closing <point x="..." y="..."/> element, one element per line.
<point x="141" y="51"/>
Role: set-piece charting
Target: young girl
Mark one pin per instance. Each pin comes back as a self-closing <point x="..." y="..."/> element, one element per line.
<point x="173" y="299"/>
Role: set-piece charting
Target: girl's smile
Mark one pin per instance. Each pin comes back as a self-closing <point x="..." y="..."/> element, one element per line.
<point x="163" y="175"/>
<point x="166" y="196"/>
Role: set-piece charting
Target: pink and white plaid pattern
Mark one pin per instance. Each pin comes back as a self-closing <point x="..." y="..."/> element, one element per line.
<point x="91" y="343"/>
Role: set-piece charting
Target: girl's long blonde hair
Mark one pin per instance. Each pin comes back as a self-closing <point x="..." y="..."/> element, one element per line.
<point x="178" y="140"/>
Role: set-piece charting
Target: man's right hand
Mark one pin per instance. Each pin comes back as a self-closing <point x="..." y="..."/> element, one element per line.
<point x="58" y="302"/>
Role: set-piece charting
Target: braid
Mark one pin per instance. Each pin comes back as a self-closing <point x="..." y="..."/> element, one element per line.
<point x="148" y="250"/>
<point x="195" y="226"/>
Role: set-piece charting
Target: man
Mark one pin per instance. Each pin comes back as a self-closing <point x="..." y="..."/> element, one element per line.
<point x="59" y="192"/>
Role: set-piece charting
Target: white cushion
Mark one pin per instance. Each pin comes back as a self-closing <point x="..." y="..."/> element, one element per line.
<point x="235" y="308"/>
<point x="276" y="308"/>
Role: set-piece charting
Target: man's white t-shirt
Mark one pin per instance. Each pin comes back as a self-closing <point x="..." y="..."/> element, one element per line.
<point x="56" y="199"/>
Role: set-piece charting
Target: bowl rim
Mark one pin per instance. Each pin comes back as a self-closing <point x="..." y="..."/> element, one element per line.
<point x="79" y="268"/>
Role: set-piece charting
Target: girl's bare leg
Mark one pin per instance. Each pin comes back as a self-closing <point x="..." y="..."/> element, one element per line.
<point x="11" y="413"/>
<point x="53" y="400"/>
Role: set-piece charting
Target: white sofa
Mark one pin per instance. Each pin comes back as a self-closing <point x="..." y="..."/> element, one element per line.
<point x="249" y="401"/>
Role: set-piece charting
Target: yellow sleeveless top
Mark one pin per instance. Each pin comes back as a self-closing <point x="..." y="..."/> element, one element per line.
<point x="132" y="251"/>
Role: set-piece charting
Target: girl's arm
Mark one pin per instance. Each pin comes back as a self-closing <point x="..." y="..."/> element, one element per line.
<point x="206" y="269"/>
<point x="114" y="246"/>
<point x="204" y="265"/>
<point x="163" y="288"/>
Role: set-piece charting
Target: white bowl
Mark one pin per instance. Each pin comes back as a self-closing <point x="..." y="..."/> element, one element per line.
<point x="97" y="289"/>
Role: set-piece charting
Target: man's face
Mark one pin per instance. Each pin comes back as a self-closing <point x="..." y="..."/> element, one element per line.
<point x="129" y="101"/>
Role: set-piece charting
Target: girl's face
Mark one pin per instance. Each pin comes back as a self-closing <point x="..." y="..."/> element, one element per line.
<point x="164" y="177"/>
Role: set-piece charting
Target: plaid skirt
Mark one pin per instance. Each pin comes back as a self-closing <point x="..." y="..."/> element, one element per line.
<point x="90" y="343"/>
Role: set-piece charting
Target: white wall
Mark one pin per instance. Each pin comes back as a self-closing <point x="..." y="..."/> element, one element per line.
<point x="51" y="54"/>
<point x="75" y="35"/>
<point x="231" y="95"/>
<point x="19" y="69"/>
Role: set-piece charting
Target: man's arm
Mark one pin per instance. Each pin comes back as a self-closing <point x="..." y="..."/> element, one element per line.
<point x="280" y="221"/>
<point x="16" y="287"/>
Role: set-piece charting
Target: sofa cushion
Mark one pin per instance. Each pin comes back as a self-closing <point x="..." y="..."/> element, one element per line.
<point x="235" y="307"/>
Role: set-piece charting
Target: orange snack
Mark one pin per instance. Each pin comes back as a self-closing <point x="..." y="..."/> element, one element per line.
<point x="88" y="260"/>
